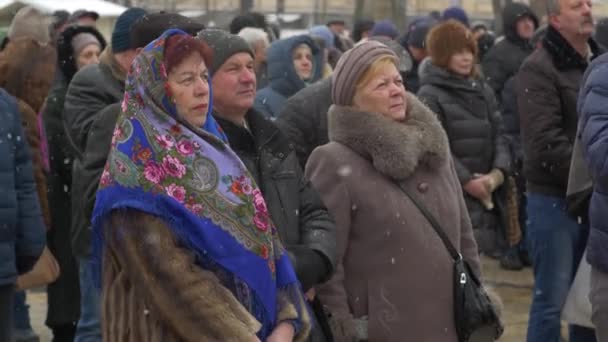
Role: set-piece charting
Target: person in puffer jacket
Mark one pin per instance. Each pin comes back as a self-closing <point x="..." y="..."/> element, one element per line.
<point x="22" y="231"/>
<point x="293" y="64"/>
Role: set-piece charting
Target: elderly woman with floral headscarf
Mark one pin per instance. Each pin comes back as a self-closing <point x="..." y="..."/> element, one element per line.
<point x="188" y="250"/>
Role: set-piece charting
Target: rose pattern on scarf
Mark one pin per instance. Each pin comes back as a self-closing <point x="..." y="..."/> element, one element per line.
<point x="154" y="172"/>
<point x="185" y="147"/>
<point x="173" y="167"/>
<point x="176" y="191"/>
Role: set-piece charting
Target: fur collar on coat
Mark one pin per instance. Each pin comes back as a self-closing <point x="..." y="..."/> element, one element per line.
<point x="396" y="149"/>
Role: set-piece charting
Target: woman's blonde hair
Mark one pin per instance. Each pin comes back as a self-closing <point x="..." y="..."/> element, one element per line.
<point x="373" y="70"/>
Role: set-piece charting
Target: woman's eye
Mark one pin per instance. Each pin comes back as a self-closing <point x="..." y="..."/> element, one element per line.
<point x="187" y="80"/>
<point x="205" y="77"/>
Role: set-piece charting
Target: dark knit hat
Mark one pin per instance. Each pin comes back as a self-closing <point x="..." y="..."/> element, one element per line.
<point x="385" y="28"/>
<point x="224" y="46"/>
<point x="416" y="36"/>
<point x="456" y="13"/>
<point x="448" y="39"/>
<point x="121" y="36"/>
<point x="351" y="67"/>
<point x="152" y="26"/>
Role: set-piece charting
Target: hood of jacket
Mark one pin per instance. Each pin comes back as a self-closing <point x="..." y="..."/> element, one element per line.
<point x="65" y="51"/>
<point x="396" y="149"/>
<point x="510" y="15"/>
<point x="282" y="75"/>
<point x="442" y="78"/>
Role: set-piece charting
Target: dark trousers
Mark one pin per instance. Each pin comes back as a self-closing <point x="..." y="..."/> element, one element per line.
<point x="6" y="312"/>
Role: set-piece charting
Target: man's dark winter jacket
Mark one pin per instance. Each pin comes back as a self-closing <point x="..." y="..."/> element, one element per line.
<point x="95" y="92"/>
<point x="593" y="128"/>
<point x="304" y="118"/>
<point x="547" y="90"/>
<point x="504" y="59"/>
<point x="22" y="231"/>
<point x="304" y="224"/>
<point x="283" y="80"/>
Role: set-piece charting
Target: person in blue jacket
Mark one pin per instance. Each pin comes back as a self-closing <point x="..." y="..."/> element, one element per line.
<point x="593" y="128"/>
<point x="293" y="64"/>
<point x="22" y="232"/>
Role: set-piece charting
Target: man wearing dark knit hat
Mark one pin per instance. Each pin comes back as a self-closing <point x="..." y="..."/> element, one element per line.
<point x="84" y="18"/>
<point x="91" y="109"/>
<point x="304" y="224"/>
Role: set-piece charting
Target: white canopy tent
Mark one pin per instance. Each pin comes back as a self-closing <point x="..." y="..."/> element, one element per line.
<point x="108" y="11"/>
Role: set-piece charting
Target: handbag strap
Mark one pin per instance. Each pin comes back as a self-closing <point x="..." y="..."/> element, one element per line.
<point x="427" y="214"/>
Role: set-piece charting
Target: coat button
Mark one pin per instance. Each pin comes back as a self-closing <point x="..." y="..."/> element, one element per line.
<point x="423" y="187"/>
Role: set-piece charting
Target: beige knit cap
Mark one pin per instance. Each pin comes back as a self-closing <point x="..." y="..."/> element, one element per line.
<point x="30" y="23"/>
<point x="352" y="65"/>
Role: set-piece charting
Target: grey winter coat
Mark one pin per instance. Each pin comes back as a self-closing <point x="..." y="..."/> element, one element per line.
<point x="394" y="274"/>
<point x="22" y="230"/>
<point x="95" y="91"/>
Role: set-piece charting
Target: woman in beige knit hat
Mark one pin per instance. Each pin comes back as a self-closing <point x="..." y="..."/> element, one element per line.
<point x="467" y="109"/>
<point x="393" y="280"/>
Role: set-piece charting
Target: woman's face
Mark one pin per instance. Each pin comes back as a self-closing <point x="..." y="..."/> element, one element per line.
<point x="88" y="55"/>
<point x="462" y="63"/>
<point x="302" y="61"/>
<point x="188" y="83"/>
<point x="383" y="94"/>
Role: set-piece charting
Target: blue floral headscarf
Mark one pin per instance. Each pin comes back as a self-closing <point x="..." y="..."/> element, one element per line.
<point x="193" y="181"/>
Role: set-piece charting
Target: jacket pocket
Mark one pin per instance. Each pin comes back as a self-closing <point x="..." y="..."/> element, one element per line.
<point x="281" y="175"/>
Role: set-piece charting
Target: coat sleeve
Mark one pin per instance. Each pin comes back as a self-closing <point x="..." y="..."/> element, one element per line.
<point x="300" y="128"/>
<point x="544" y="140"/>
<point x="594" y="124"/>
<point x="468" y="245"/>
<point x="30" y="228"/>
<point x="30" y="127"/>
<point x="96" y="154"/>
<point x="502" y="152"/>
<point x="82" y="103"/>
<point x="315" y="255"/>
<point x="321" y="169"/>
<point x="189" y="299"/>
<point x="464" y="175"/>
<point x="59" y="145"/>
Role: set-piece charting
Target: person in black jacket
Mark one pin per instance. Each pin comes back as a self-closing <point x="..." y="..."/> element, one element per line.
<point x="504" y="59"/>
<point x="63" y="295"/>
<point x="304" y="224"/>
<point x="467" y="108"/>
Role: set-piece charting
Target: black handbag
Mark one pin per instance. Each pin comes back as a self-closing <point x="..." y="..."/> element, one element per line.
<point x="475" y="316"/>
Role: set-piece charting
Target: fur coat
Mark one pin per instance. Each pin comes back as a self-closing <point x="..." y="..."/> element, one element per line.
<point x="394" y="275"/>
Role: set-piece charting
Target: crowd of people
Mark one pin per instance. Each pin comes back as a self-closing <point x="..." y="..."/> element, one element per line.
<point x="207" y="184"/>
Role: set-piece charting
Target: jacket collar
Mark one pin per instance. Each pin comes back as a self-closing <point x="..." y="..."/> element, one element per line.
<point x="440" y="77"/>
<point x="109" y="62"/>
<point x="264" y="134"/>
<point x="395" y="149"/>
<point x="564" y="56"/>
